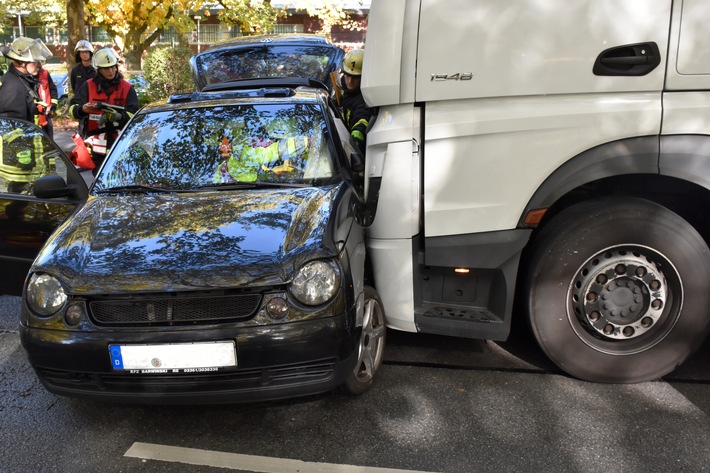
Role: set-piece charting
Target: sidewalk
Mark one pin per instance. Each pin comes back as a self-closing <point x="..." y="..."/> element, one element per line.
<point x="64" y="141"/>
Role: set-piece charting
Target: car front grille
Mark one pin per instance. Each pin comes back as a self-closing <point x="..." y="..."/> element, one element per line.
<point x="181" y="309"/>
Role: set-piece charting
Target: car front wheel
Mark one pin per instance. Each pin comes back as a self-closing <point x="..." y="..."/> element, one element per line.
<point x="371" y="346"/>
<point x="618" y="290"/>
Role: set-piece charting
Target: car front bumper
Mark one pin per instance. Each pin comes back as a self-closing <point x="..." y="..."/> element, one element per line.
<point x="273" y="362"/>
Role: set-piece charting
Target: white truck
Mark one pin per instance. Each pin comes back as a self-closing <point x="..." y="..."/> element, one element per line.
<point x="547" y="161"/>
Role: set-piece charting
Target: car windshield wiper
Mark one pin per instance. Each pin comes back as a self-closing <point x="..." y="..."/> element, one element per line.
<point x="136" y="188"/>
<point x="247" y="185"/>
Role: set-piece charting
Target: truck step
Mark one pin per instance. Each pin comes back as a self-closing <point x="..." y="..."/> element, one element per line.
<point x="462" y="313"/>
<point x="458" y="321"/>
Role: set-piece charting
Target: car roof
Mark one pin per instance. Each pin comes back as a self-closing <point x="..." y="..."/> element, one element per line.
<point x="270" y="93"/>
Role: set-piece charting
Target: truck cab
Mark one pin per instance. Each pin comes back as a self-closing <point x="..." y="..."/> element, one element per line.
<point x="556" y="161"/>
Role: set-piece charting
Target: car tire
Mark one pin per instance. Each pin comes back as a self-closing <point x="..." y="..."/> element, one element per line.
<point x="371" y="345"/>
<point x="617" y="290"/>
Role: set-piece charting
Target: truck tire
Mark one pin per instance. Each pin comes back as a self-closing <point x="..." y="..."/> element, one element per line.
<point x="371" y="346"/>
<point x="618" y="290"/>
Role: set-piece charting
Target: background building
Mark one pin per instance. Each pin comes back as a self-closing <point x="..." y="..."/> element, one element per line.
<point x="208" y="30"/>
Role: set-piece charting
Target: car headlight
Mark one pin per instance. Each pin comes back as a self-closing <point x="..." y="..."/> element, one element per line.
<point x="45" y="294"/>
<point x="316" y="282"/>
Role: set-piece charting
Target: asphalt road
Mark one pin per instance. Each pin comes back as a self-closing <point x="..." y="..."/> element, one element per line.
<point x="63" y="139"/>
<point x="439" y="404"/>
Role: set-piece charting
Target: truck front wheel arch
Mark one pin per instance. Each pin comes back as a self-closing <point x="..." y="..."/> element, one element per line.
<point x="616" y="290"/>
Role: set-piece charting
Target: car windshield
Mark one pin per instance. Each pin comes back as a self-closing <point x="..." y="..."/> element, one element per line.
<point x="261" y="61"/>
<point x="220" y="147"/>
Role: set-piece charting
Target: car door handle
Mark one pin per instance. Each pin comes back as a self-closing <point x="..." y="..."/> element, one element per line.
<point x="624" y="60"/>
<point x="628" y="60"/>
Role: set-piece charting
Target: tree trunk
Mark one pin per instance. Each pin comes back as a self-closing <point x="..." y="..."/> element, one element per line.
<point x="75" y="28"/>
<point x="132" y="56"/>
<point x="136" y="45"/>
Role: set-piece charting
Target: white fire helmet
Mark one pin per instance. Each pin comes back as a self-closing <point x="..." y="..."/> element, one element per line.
<point x="104" y="57"/>
<point x="28" y="50"/>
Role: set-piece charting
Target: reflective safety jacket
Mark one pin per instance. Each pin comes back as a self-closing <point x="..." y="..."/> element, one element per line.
<point x="247" y="162"/>
<point x="20" y="156"/>
<point x="47" y="97"/>
<point x="99" y="134"/>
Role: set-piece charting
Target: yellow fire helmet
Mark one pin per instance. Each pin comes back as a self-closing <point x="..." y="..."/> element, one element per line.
<point x="352" y="62"/>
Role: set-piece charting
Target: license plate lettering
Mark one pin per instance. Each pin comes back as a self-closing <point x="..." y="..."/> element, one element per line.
<point x="173" y="358"/>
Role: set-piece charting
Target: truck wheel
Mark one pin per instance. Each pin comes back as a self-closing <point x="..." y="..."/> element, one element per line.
<point x="618" y="290"/>
<point x="371" y="347"/>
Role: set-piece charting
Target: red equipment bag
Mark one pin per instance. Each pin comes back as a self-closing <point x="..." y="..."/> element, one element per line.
<point x="80" y="155"/>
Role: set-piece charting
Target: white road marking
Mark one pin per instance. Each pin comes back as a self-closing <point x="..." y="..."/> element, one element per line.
<point x="235" y="461"/>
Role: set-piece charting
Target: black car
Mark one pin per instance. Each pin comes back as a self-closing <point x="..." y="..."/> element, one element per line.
<point x="218" y="257"/>
<point x="26" y="155"/>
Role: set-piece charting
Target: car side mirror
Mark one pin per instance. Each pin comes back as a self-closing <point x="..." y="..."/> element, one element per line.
<point x="51" y="187"/>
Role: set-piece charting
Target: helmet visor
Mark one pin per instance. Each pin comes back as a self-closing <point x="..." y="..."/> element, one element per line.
<point x="40" y="51"/>
<point x="32" y="51"/>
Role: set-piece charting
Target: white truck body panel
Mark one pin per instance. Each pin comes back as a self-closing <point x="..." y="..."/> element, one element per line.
<point x="686" y="112"/>
<point x="491" y="140"/>
<point x="522" y="48"/>
<point x="397" y="220"/>
<point x="392" y="263"/>
<point x="501" y="46"/>
<point x="686" y="105"/>
<point x="481" y="102"/>
<point x="485" y="158"/>
<point x="391" y="141"/>
<point x="688" y="51"/>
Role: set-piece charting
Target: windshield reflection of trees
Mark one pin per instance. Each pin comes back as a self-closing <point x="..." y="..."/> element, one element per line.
<point x="265" y="61"/>
<point x="185" y="148"/>
<point x="208" y="240"/>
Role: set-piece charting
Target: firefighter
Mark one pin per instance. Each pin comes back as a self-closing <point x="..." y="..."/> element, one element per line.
<point x="18" y="93"/>
<point x="47" y="91"/>
<point x="355" y="110"/>
<point x="21" y="150"/>
<point x="247" y="162"/>
<point x="92" y="105"/>
<point x="82" y="71"/>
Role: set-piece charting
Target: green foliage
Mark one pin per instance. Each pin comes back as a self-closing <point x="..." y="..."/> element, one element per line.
<point x="35" y="12"/>
<point x="167" y="71"/>
<point x="251" y="16"/>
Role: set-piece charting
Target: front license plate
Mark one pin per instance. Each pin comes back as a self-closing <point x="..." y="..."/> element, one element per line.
<point x="173" y="358"/>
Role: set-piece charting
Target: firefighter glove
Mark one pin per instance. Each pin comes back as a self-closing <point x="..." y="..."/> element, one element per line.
<point x="112" y="116"/>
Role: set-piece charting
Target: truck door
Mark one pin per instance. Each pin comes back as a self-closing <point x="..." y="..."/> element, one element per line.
<point x="686" y="99"/>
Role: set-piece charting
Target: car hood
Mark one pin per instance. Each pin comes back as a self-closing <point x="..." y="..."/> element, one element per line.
<point x="263" y="57"/>
<point x="174" y="242"/>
